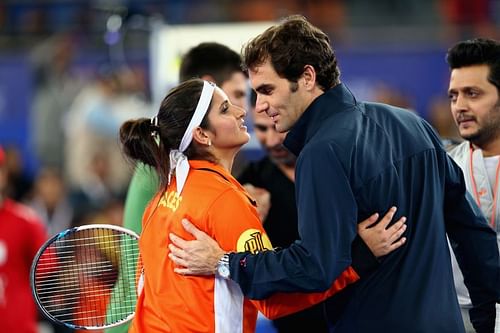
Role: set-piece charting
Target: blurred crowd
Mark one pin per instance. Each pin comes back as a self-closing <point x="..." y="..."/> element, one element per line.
<point x="81" y="175"/>
<point x="24" y="20"/>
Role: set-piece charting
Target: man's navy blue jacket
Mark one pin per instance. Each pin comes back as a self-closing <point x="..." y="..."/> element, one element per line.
<point x="358" y="158"/>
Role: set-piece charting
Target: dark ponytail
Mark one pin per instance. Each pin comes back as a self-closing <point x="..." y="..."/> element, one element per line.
<point x="138" y="143"/>
<point x="175" y="113"/>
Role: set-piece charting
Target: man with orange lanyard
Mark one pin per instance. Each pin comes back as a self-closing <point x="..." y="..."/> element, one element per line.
<point x="475" y="104"/>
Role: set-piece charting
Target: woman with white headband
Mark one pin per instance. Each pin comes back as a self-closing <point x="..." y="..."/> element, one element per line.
<point x="192" y="143"/>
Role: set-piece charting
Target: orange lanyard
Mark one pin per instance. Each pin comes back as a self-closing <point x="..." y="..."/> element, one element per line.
<point x="495" y="189"/>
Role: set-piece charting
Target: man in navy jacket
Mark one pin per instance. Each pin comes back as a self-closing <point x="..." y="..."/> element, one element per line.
<point x="355" y="158"/>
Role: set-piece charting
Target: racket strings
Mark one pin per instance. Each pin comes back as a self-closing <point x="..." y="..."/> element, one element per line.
<point x="70" y="255"/>
<point x="51" y="282"/>
<point x="71" y="243"/>
<point x="72" y="305"/>
<point x="88" y="278"/>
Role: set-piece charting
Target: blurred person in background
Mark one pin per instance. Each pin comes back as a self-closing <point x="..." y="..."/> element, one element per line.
<point x="274" y="174"/>
<point x="22" y="233"/>
<point x="217" y="63"/>
<point x="387" y="94"/>
<point x="474" y="93"/>
<point x="355" y="158"/>
<point x="464" y="19"/>
<point x="19" y="182"/>
<point x="55" y="86"/>
<point x="94" y="167"/>
<point x="94" y="194"/>
<point x="50" y="200"/>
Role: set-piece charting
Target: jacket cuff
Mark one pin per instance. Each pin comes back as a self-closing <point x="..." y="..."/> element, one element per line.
<point x="483" y="317"/>
<point x="363" y="260"/>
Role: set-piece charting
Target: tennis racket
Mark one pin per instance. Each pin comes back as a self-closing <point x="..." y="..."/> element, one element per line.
<point x="87" y="277"/>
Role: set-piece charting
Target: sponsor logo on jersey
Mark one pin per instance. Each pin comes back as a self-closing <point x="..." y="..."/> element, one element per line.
<point x="254" y="241"/>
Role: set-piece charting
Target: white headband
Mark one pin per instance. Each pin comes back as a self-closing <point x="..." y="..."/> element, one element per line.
<point x="179" y="161"/>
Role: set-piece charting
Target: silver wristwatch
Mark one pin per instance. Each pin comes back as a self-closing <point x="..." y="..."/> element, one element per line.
<point x="223" y="267"/>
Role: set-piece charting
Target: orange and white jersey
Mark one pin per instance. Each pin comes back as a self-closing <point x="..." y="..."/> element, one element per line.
<point x="217" y="204"/>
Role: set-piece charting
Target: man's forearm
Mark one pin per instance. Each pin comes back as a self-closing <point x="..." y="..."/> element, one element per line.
<point x="288" y="270"/>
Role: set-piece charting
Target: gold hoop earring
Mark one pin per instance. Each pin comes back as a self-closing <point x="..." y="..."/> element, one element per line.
<point x="209" y="143"/>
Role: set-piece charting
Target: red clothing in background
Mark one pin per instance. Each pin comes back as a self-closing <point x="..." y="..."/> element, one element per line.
<point x="21" y="235"/>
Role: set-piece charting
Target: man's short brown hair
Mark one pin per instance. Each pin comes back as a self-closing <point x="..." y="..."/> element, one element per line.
<point x="290" y="46"/>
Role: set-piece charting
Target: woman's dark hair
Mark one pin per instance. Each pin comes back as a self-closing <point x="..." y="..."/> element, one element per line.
<point x="175" y="113"/>
<point x="479" y="51"/>
<point x="290" y="46"/>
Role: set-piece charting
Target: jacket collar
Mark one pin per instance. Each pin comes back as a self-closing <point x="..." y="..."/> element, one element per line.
<point x="336" y="99"/>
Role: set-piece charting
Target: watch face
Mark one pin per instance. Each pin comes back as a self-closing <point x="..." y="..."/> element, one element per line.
<point x="223" y="271"/>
